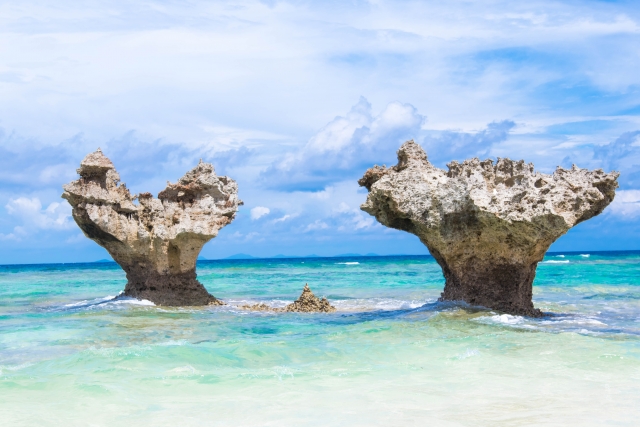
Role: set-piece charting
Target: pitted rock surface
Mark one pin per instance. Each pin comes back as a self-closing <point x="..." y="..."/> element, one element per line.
<point x="157" y="241"/>
<point x="306" y="303"/>
<point x="486" y="223"/>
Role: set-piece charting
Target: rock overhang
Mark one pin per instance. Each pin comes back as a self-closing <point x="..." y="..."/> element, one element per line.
<point x="481" y="214"/>
<point x="156" y="241"/>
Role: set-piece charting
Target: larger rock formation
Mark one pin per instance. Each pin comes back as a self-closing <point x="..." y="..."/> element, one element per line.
<point x="487" y="224"/>
<point x="157" y="241"/>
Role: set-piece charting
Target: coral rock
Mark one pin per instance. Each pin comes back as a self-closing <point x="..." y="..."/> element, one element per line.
<point x="487" y="224"/>
<point x="157" y="241"/>
<point x="309" y="303"/>
<point x="306" y="303"/>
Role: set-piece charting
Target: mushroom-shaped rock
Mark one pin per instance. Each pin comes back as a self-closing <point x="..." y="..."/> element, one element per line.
<point x="157" y="241"/>
<point x="487" y="224"/>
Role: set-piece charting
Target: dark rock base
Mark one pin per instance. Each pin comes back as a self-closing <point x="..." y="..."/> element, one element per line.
<point x="182" y="289"/>
<point x="506" y="288"/>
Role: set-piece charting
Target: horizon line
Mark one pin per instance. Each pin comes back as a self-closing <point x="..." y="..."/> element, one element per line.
<point x="283" y="257"/>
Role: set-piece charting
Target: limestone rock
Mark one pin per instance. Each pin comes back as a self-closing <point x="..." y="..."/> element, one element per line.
<point x="487" y="224"/>
<point x="309" y="303"/>
<point x="156" y="241"/>
<point x="259" y="307"/>
<point x="306" y="303"/>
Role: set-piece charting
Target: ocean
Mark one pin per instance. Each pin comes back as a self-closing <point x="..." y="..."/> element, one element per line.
<point x="74" y="353"/>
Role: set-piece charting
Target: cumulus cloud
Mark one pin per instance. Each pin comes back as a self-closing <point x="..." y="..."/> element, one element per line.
<point x="626" y="204"/>
<point x="345" y="146"/>
<point x="316" y="225"/>
<point x="611" y="155"/>
<point x="452" y="145"/>
<point x="56" y="216"/>
<point x="352" y="219"/>
<point x="258" y="212"/>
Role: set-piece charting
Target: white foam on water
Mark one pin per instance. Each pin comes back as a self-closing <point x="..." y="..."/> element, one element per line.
<point x="555" y="262"/>
<point x="585" y="255"/>
<point x="348" y="263"/>
<point x="172" y="343"/>
<point x="469" y="353"/>
<point x="573" y="321"/>
<point x="560" y="256"/>
<point x="235" y="304"/>
<point x="132" y="301"/>
<point x="109" y="300"/>
<point x="187" y="368"/>
<point x="507" y="319"/>
<point x="91" y="302"/>
<point x="14" y="367"/>
<point x="368" y="304"/>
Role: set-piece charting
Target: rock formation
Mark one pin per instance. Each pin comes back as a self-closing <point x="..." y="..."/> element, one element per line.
<point x="487" y="224"/>
<point x="306" y="303"/>
<point x="157" y="241"/>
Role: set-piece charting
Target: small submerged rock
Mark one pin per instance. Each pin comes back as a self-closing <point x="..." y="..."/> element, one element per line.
<point x="259" y="307"/>
<point x="306" y="303"/>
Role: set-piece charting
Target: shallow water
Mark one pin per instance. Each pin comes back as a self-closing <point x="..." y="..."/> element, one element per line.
<point x="73" y="353"/>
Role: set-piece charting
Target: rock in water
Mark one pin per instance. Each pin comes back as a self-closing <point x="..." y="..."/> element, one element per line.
<point x="306" y="303"/>
<point x="309" y="303"/>
<point x="157" y="241"/>
<point x="487" y="224"/>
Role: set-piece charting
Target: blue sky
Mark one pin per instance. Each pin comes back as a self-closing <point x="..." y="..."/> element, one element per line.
<point x="295" y="99"/>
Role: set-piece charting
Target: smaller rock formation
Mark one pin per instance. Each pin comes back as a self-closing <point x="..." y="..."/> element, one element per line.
<point x="309" y="303"/>
<point x="486" y="223"/>
<point x="157" y="241"/>
<point x="306" y="303"/>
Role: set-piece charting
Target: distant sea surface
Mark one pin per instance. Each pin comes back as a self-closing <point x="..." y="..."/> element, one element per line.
<point x="74" y="353"/>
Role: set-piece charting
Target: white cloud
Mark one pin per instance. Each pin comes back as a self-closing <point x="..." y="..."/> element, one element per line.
<point x="352" y="219"/>
<point x="10" y="236"/>
<point x="626" y="204"/>
<point x="282" y="218"/>
<point x="258" y="212"/>
<point x="317" y="225"/>
<point x="345" y="145"/>
<point x="56" y="216"/>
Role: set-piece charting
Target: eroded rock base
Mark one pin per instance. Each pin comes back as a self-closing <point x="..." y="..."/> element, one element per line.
<point x="181" y="289"/>
<point x="306" y="303"/>
<point x="505" y="288"/>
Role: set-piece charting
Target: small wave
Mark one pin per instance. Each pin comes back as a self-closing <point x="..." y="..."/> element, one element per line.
<point x="555" y="262"/>
<point x="504" y="319"/>
<point x="369" y="304"/>
<point x="132" y="301"/>
<point x="585" y="255"/>
<point x="560" y="256"/>
<point x="109" y="300"/>
<point x="573" y="321"/>
<point x="348" y="263"/>
<point x="87" y="303"/>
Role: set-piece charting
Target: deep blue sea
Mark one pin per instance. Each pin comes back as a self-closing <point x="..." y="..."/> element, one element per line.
<point x="74" y="353"/>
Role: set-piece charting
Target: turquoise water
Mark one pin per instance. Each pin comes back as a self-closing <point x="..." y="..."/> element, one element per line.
<point x="72" y="353"/>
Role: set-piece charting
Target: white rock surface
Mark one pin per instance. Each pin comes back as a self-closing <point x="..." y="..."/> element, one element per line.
<point x="487" y="224"/>
<point x="157" y="241"/>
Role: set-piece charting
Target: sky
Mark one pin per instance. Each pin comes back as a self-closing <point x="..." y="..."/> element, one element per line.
<point x="296" y="99"/>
